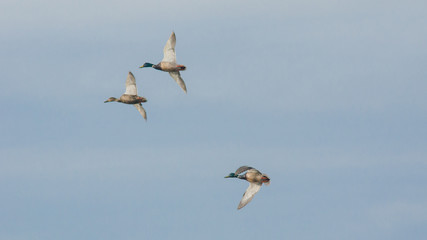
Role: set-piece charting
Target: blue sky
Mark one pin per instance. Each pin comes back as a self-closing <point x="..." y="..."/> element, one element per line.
<point x="326" y="97"/>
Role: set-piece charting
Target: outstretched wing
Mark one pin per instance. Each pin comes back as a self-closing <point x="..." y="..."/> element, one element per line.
<point x="242" y="169"/>
<point x="178" y="79"/>
<point x="131" y="85"/>
<point x="141" y="110"/>
<point x="249" y="194"/>
<point x="169" y="50"/>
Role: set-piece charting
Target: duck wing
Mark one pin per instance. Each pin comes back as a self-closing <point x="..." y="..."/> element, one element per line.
<point x="178" y="79"/>
<point x="141" y="110"/>
<point x="131" y="85"/>
<point x="169" y="50"/>
<point x="249" y="194"/>
<point x="242" y="169"/>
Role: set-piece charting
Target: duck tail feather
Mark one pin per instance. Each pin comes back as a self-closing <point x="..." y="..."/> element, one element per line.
<point x="265" y="179"/>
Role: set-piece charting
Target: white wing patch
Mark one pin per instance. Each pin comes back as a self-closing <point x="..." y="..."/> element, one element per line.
<point x="249" y="194"/>
<point x="141" y="110"/>
<point x="169" y="50"/>
<point x="131" y="85"/>
<point x="178" y="79"/>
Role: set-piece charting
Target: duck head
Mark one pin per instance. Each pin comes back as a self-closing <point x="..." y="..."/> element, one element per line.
<point x="111" y="99"/>
<point x="147" y="65"/>
<point x="232" y="175"/>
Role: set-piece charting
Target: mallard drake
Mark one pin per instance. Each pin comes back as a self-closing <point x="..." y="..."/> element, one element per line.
<point x="131" y="96"/>
<point x="255" y="179"/>
<point x="168" y="63"/>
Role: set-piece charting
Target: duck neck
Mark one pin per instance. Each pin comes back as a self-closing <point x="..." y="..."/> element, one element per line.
<point x="243" y="177"/>
<point x="157" y="67"/>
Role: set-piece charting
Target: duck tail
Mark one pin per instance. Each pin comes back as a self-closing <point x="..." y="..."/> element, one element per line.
<point x="181" y="67"/>
<point x="265" y="179"/>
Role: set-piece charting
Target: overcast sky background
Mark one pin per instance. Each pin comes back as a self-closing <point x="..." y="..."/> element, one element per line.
<point x="326" y="97"/>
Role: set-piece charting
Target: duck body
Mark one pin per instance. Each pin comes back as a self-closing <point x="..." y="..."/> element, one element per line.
<point x="255" y="179"/>
<point x="170" y="67"/>
<point x="255" y="176"/>
<point x="132" y="99"/>
<point x="168" y="63"/>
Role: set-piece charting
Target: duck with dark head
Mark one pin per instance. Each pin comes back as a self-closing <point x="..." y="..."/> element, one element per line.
<point x="168" y="63"/>
<point x="255" y="179"/>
